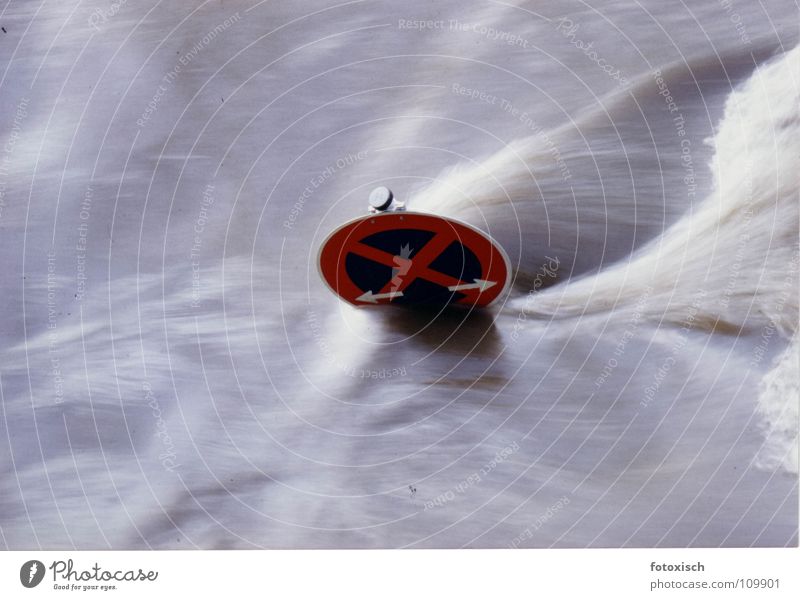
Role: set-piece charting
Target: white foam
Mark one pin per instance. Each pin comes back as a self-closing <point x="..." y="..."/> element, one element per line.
<point x="778" y="407"/>
<point x="740" y="246"/>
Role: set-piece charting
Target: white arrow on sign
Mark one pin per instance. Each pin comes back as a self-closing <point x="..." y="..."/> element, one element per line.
<point x="480" y="284"/>
<point x="373" y="298"/>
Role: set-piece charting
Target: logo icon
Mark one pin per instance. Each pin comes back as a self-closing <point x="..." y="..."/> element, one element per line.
<point x="31" y="573"/>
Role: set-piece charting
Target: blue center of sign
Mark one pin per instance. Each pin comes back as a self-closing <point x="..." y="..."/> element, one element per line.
<point x="456" y="261"/>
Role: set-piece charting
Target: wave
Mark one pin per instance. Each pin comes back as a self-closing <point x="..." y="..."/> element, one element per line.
<point x="729" y="264"/>
<point x="733" y="262"/>
<point x="600" y="181"/>
<point x="778" y="408"/>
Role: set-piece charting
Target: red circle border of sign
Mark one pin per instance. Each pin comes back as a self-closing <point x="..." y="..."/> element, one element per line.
<point x="471" y="236"/>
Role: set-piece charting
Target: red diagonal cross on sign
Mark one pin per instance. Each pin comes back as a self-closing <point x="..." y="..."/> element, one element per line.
<point x="419" y="264"/>
<point x="349" y="239"/>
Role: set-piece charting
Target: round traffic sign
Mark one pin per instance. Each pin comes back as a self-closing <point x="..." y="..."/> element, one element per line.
<point x="413" y="259"/>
